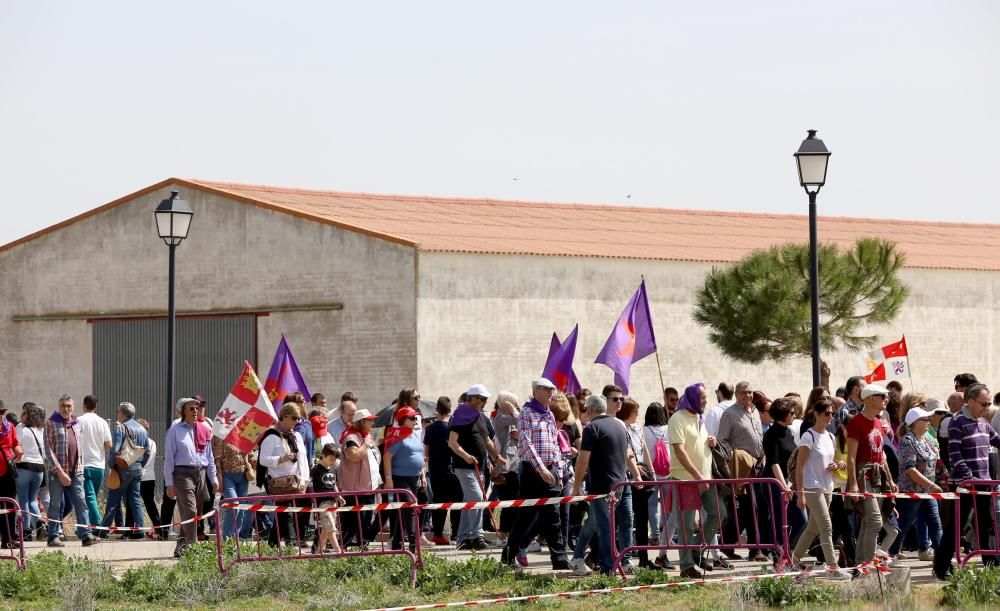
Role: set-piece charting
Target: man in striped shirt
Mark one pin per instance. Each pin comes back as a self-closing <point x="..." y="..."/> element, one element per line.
<point x="969" y="439"/>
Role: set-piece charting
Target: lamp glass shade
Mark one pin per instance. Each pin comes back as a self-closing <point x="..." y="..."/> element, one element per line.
<point x="812" y="169"/>
<point x="173" y="219"/>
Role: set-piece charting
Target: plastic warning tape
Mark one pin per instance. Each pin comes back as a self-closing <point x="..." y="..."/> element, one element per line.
<point x="865" y="567"/>
<point x="556" y="500"/>
<point x="112" y="529"/>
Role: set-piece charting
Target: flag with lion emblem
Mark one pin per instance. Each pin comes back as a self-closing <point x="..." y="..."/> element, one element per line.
<point x="246" y="413"/>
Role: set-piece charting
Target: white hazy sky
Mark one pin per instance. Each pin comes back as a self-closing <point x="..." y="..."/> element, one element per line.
<point x="677" y="104"/>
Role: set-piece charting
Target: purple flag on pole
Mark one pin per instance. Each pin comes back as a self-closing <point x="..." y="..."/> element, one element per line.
<point x="284" y="377"/>
<point x="559" y="364"/>
<point x="631" y="340"/>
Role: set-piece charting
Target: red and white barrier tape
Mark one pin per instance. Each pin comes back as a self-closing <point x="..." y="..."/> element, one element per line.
<point x="939" y="496"/>
<point x="112" y="529"/>
<point x="864" y="568"/>
<point x="411" y="505"/>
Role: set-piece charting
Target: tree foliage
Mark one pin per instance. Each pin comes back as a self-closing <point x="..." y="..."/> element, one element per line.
<point x="758" y="308"/>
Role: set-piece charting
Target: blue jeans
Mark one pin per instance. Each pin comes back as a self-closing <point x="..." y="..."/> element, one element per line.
<point x="233" y="520"/>
<point x="624" y="522"/>
<point x="76" y="499"/>
<point x="131" y="479"/>
<point x="93" y="478"/>
<point x="908" y="510"/>
<point x="28" y="483"/>
<point x="470" y="527"/>
<point x="653" y="511"/>
<point x="598" y="523"/>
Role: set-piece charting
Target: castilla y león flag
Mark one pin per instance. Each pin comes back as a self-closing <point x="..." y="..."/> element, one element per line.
<point x="284" y="377"/>
<point x="889" y="362"/>
<point x="246" y="413"/>
<point x="559" y="364"/>
<point x="631" y="340"/>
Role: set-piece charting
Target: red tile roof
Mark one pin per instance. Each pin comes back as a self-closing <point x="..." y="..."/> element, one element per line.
<point x="443" y="224"/>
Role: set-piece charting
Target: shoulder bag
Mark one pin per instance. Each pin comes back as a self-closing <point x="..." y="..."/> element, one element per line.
<point x="130" y="453"/>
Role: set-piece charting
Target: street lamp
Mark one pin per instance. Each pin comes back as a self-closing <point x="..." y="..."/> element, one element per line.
<point x="812" y="159"/>
<point x="173" y="220"/>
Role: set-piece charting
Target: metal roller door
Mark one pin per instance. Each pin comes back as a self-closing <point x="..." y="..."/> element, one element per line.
<point x="130" y="360"/>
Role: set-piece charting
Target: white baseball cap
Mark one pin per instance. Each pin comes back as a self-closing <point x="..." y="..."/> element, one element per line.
<point x="916" y="414"/>
<point x="873" y="389"/>
<point x="478" y="390"/>
<point x="543" y="383"/>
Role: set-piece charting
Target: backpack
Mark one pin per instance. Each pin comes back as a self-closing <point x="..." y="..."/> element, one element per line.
<point x="793" y="462"/>
<point x="661" y="457"/>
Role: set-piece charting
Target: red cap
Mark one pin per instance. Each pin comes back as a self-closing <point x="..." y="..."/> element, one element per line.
<point x="404" y="413"/>
<point x="319" y="425"/>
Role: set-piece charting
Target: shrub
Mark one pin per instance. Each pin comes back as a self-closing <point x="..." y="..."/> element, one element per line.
<point x="786" y="592"/>
<point x="973" y="586"/>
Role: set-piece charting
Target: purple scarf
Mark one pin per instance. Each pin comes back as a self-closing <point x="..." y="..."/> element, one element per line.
<point x="536" y="406"/>
<point x="691" y="399"/>
<point x="57" y="417"/>
<point x="464" y="415"/>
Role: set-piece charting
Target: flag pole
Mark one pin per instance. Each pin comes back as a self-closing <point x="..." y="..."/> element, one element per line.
<point x="656" y="351"/>
<point x="909" y="365"/>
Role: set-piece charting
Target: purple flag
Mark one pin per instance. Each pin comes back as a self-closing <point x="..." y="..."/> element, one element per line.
<point x="631" y="340"/>
<point x="284" y="377"/>
<point x="559" y="364"/>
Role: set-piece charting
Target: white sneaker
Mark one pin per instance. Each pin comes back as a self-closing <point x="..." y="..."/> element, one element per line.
<point x="628" y="568"/>
<point x="925" y="555"/>
<point x="880" y="553"/>
<point x="580" y="568"/>
<point x="837" y="575"/>
<point x="534" y="547"/>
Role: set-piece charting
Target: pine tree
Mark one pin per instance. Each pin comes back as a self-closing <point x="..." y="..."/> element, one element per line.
<point x="758" y="308"/>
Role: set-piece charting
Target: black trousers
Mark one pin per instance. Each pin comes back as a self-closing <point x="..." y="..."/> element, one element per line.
<point x="640" y="513"/>
<point x="532" y="486"/>
<point x="406" y="522"/>
<point x="445" y="489"/>
<point x="507" y="491"/>
<point x="842" y="528"/>
<point x="8" y="526"/>
<point x="359" y="526"/>
<point x="285" y="527"/>
<point x="166" y="515"/>
<point x="944" y="554"/>
<point x="752" y="509"/>
<point x="147" y="490"/>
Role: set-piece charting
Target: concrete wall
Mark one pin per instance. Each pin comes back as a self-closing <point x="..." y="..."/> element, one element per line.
<point x="237" y="256"/>
<point x="488" y="318"/>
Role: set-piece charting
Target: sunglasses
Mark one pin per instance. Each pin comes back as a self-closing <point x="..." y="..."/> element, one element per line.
<point x="826" y="413"/>
<point x="416" y="397"/>
<point x="617" y="399"/>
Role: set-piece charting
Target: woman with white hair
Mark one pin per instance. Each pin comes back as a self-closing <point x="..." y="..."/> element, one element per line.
<point x="505" y="482"/>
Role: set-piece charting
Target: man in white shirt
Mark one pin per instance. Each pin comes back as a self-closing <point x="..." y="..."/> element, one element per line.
<point x="94" y="440"/>
<point x="724" y="396"/>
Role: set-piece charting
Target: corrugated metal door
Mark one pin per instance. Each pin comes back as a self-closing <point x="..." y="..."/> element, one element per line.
<point x="130" y="360"/>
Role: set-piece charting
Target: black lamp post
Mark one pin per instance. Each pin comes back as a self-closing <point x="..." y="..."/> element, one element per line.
<point x="812" y="159"/>
<point x="173" y="219"/>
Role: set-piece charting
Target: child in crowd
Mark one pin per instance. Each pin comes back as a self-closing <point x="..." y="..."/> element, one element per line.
<point x="324" y="479"/>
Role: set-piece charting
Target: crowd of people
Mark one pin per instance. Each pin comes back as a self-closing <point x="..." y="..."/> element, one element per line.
<point x="667" y="475"/>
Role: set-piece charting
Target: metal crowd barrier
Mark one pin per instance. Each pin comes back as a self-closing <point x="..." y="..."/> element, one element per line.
<point x="11" y="512"/>
<point x="370" y="543"/>
<point x="983" y="520"/>
<point x="778" y="540"/>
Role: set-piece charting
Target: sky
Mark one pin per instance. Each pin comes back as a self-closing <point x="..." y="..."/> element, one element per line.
<point x="661" y="103"/>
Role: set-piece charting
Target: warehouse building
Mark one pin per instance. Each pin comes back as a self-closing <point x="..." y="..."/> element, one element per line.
<point x="379" y="292"/>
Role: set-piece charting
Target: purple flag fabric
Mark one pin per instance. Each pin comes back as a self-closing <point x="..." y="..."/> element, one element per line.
<point x="284" y="377"/>
<point x="559" y="364"/>
<point x="632" y="338"/>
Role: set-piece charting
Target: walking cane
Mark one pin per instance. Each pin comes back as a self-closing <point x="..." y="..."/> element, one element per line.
<point x="482" y="486"/>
